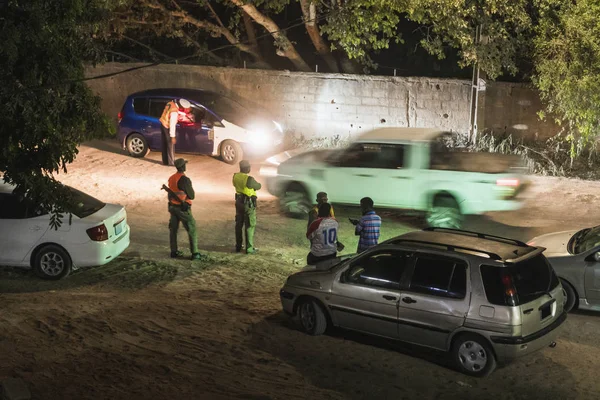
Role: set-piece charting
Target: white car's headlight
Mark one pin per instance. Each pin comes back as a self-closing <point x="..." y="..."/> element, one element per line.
<point x="259" y="138"/>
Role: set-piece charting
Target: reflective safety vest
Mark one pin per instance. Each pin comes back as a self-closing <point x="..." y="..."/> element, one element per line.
<point x="316" y="210"/>
<point x="239" y="183"/>
<point x="173" y="181"/>
<point x="170" y="108"/>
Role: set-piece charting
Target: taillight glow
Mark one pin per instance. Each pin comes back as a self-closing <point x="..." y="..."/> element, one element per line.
<point x="98" y="233"/>
<point x="507" y="182"/>
<point x="509" y="290"/>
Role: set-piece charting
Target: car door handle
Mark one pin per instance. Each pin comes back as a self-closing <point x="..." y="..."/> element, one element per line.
<point x="35" y="228"/>
<point x="390" y="298"/>
<point x="401" y="177"/>
<point x="408" y="300"/>
<point x="364" y="175"/>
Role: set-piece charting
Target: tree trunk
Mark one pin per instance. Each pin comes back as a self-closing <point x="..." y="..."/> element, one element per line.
<point x="286" y="48"/>
<point x="348" y="66"/>
<point x="250" y="31"/>
<point x="309" y="10"/>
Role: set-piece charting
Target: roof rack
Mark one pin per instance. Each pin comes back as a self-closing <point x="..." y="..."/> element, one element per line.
<point x="478" y="234"/>
<point x="491" y="255"/>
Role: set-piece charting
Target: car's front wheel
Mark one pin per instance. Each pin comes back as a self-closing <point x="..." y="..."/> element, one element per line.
<point x="137" y="146"/>
<point x="571" y="295"/>
<point x="312" y="317"/>
<point x="52" y="262"/>
<point x="231" y="152"/>
<point x="473" y="355"/>
<point x="294" y="202"/>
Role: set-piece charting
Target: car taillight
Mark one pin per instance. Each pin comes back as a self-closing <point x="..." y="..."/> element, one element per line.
<point x="510" y="293"/>
<point x="120" y="116"/>
<point x="98" y="233"/>
<point x="510" y="182"/>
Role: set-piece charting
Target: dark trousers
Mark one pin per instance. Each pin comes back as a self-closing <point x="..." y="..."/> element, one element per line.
<point x="311" y="259"/>
<point x="189" y="223"/>
<point x="168" y="149"/>
<point x="245" y="217"/>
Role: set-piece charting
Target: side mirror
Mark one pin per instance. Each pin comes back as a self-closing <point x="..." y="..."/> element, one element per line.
<point x="594" y="257"/>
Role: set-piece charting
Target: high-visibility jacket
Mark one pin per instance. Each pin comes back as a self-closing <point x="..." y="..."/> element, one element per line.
<point x="239" y="183"/>
<point x="181" y="196"/>
<point x="170" y="108"/>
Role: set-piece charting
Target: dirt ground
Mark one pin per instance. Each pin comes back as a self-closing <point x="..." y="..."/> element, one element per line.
<point x="148" y="327"/>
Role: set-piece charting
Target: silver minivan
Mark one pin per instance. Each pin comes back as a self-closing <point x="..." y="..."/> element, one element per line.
<point x="483" y="298"/>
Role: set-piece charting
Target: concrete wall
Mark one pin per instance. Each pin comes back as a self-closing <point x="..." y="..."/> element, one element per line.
<point x="321" y="105"/>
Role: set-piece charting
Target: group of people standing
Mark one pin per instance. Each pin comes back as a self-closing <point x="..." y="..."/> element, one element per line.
<point x="323" y="229"/>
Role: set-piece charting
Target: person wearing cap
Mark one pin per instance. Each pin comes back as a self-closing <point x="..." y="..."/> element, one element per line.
<point x="180" y="208"/>
<point x="245" y="207"/>
<point x="168" y="127"/>
<point x="313" y="213"/>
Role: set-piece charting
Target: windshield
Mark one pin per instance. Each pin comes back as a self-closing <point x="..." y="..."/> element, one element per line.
<point x="520" y="283"/>
<point x="234" y="112"/>
<point x="84" y="204"/>
<point x="584" y="240"/>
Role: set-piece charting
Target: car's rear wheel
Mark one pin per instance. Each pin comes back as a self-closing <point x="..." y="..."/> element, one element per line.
<point x="312" y="317"/>
<point x="294" y="202"/>
<point x="231" y="152"/>
<point x="444" y="213"/>
<point x="473" y="355"/>
<point x="52" y="262"/>
<point x="571" y="295"/>
<point x="137" y="146"/>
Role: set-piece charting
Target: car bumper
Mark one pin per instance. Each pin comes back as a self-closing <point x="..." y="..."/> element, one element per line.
<point x="508" y="348"/>
<point x="287" y="300"/>
<point x="94" y="254"/>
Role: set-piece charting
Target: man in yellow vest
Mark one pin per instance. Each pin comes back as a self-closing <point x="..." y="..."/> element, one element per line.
<point x="180" y="208"/>
<point x="168" y="128"/>
<point x="245" y="207"/>
<point x="321" y="199"/>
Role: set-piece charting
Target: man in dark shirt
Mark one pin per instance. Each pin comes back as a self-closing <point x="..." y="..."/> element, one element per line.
<point x="181" y="211"/>
<point x="245" y="207"/>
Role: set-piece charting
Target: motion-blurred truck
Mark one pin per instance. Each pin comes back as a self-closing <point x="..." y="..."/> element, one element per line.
<point x="401" y="168"/>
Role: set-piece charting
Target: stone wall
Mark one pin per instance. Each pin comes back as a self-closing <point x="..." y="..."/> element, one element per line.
<point x="325" y="105"/>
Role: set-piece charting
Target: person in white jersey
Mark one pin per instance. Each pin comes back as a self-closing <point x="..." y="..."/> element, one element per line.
<point x="322" y="234"/>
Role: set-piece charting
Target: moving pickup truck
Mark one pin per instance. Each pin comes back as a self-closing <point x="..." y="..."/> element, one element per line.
<point x="404" y="168"/>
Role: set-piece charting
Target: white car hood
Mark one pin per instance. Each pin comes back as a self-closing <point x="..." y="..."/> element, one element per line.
<point x="555" y="243"/>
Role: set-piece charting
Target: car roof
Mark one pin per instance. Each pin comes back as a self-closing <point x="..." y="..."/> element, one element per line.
<point x="488" y="246"/>
<point x="400" y="134"/>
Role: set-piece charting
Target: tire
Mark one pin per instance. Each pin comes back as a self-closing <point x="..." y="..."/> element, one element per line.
<point x="473" y="355"/>
<point x="52" y="262"/>
<point x="137" y="146"/>
<point x="312" y="317"/>
<point x="294" y="202"/>
<point x="231" y="152"/>
<point x="445" y="213"/>
<point x="571" y="296"/>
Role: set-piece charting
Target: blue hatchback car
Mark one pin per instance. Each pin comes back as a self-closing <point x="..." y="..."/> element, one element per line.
<point x="223" y="126"/>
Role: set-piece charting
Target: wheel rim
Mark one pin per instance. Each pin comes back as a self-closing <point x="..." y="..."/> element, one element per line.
<point x="443" y="217"/>
<point x="472" y="356"/>
<point x="308" y="316"/>
<point x="136" y="145"/>
<point x="52" y="263"/>
<point x="295" y="202"/>
<point x="228" y="152"/>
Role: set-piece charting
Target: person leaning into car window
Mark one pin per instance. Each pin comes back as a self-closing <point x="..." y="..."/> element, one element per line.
<point x="367" y="228"/>
<point x="168" y="126"/>
<point x="322" y="234"/>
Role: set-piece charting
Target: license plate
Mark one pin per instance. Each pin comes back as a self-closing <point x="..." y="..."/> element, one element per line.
<point x="546" y="311"/>
<point x="119" y="227"/>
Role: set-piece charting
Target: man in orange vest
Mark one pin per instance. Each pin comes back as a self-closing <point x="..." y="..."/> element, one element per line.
<point x="168" y="127"/>
<point x="181" y="211"/>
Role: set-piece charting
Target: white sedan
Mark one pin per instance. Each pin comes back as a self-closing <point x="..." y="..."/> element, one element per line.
<point x="96" y="234"/>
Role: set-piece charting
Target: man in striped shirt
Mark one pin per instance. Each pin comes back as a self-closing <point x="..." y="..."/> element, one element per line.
<point x="367" y="228"/>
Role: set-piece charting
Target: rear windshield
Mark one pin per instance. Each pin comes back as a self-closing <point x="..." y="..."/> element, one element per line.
<point x="516" y="284"/>
<point x="84" y="204"/>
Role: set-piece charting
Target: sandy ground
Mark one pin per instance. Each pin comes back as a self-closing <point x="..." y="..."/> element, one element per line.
<point x="148" y="327"/>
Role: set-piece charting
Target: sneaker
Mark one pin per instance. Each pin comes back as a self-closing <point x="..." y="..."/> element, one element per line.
<point x="252" y="251"/>
<point x="198" y="256"/>
<point x="238" y="249"/>
<point x="176" y="254"/>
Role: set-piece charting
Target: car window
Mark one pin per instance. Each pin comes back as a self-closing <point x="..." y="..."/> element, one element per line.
<point x="11" y="207"/>
<point x="207" y="118"/>
<point x="381" y="269"/>
<point x="374" y="155"/>
<point x="439" y="276"/>
<point x="84" y="205"/>
<point x="141" y="105"/>
<point x="585" y="240"/>
<point x="157" y="106"/>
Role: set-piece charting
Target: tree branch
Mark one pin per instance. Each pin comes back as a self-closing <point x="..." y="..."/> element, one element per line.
<point x="309" y="11"/>
<point x="286" y="47"/>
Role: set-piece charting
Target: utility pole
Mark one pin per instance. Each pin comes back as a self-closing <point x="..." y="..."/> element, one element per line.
<point x="474" y="92"/>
